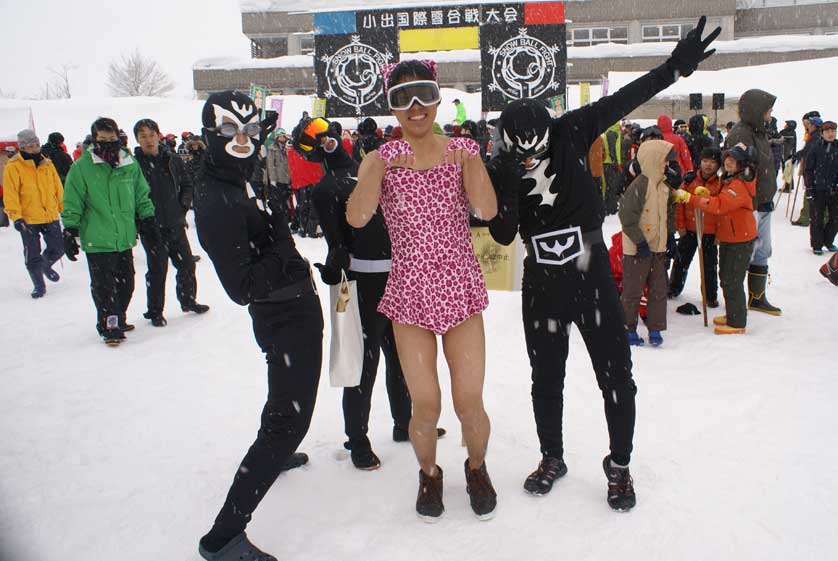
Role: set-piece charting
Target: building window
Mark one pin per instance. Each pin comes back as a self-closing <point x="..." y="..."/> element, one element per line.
<point x="255" y="50"/>
<point x="307" y="44"/>
<point x="587" y="36"/>
<point x="665" y="32"/>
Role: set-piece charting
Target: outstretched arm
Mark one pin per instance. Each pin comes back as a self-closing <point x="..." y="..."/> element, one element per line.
<point x="593" y="120"/>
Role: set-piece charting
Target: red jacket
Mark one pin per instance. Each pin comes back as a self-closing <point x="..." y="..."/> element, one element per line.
<point x="685" y="214"/>
<point x="735" y="206"/>
<point x="303" y="172"/>
<point x="77" y="153"/>
<point x="685" y="159"/>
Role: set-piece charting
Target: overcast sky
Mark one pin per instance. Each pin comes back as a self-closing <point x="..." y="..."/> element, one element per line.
<point x="90" y="33"/>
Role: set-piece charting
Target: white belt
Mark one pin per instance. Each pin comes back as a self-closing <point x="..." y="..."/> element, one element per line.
<point x="370" y="265"/>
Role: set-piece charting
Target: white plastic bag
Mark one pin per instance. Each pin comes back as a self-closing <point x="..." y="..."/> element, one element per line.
<point x="346" y="352"/>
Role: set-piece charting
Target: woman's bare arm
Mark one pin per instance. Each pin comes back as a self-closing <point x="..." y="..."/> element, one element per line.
<point x="479" y="190"/>
<point x="363" y="202"/>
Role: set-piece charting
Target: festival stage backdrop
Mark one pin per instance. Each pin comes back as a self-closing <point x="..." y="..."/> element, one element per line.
<point x="522" y="47"/>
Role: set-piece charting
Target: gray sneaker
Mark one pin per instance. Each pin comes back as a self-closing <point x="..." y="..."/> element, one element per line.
<point x="237" y="549"/>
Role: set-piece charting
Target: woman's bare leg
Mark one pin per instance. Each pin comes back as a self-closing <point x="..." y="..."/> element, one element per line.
<point x="417" y="353"/>
<point x="465" y="350"/>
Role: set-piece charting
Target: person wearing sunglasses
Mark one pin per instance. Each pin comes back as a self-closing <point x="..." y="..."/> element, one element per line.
<point x="567" y="273"/>
<point x="258" y="265"/>
<point x="425" y="184"/>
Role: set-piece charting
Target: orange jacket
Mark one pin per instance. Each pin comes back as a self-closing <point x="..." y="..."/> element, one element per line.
<point x="685" y="214"/>
<point x="735" y="206"/>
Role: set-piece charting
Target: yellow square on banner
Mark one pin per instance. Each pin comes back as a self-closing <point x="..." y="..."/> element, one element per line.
<point x="444" y="39"/>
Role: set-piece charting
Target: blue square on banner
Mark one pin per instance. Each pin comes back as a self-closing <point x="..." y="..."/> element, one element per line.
<point x="334" y="23"/>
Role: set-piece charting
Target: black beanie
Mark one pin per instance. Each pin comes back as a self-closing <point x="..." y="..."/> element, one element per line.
<point x="55" y="138"/>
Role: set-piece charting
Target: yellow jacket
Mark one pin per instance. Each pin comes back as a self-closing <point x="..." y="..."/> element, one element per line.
<point x="34" y="194"/>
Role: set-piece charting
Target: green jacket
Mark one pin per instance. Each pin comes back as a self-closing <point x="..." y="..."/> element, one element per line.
<point x="613" y="145"/>
<point x="461" y="113"/>
<point x="104" y="203"/>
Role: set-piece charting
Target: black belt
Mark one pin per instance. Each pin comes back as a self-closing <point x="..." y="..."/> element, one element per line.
<point x="290" y="292"/>
<point x="588" y="239"/>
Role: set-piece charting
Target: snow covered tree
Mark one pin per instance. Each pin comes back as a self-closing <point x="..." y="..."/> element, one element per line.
<point x="135" y="75"/>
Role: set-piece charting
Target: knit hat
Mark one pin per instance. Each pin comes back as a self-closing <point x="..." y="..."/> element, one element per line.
<point x="27" y="137"/>
<point x="816" y="121"/>
<point x="828" y="125"/>
<point x="55" y="138"/>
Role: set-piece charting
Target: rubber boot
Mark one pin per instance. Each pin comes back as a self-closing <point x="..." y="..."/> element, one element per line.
<point x="757" y="282"/>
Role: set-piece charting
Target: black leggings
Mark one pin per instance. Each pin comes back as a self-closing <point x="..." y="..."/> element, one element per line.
<point x="290" y="334"/>
<point x="378" y="336"/>
<point x="554" y="298"/>
<point x="687" y="246"/>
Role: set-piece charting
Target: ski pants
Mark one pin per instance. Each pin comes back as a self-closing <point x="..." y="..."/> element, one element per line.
<point x="36" y="261"/>
<point x="173" y="245"/>
<point x="821" y="231"/>
<point x="687" y="246"/>
<point x="733" y="264"/>
<point x="306" y="214"/>
<point x="553" y="298"/>
<point x="613" y="187"/>
<point x="112" y="285"/>
<point x="639" y="272"/>
<point x="290" y="334"/>
<point x="378" y="338"/>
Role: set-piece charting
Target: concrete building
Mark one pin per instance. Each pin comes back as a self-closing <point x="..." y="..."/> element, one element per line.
<point x="282" y="40"/>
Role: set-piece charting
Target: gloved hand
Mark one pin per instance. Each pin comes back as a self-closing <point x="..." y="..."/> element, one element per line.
<point x="20" y="225"/>
<point x="186" y="201"/>
<point x="681" y="196"/>
<point x="337" y="260"/>
<point x="643" y="249"/>
<point x="690" y="51"/>
<point x="810" y="194"/>
<point x="671" y="246"/>
<point x="672" y="172"/>
<point x="689" y="177"/>
<point x="702" y="191"/>
<point x="71" y="243"/>
<point x="506" y="170"/>
<point x="150" y="231"/>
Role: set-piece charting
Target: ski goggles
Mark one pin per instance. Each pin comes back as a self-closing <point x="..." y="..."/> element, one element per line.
<point x="402" y="96"/>
<point x="231" y="130"/>
<point x="311" y="134"/>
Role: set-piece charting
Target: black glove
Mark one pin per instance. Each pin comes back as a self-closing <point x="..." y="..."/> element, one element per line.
<point x="268" y="124"/>
<point x="71" y="244"/>
<point x="186" y="201"/>
<point x="337" y="260"/>
<point x="672" y="172"/>
<point x="643" y="249"/>
<point x="20" y="225"/>
<point x="150" y="231"/>
<point x="671" y="246"/>
<point x="689" y="177"/>
<point x="690" y="51"/>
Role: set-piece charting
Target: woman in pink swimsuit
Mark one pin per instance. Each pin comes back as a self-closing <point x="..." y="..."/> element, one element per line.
<point x="425" y="184"/>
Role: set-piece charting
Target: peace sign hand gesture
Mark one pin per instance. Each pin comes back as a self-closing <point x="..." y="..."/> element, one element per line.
<point x="692" y="50"/>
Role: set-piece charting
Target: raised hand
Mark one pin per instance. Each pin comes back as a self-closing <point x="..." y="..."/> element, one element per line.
<point x="458" y="157"/>
<point x="692" y="49"/>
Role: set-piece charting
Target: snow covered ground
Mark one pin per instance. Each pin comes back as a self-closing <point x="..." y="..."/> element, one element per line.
<point x="128" y="453"/>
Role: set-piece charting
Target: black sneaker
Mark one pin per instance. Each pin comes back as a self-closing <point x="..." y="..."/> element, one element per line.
<point x="126" y="326"/>
<point x="620" y="486"/>
<point x="295" y="460"/>
<point x="51" y="274"/>
<point x="540" y="482"/>
<point x="365" y="460"/>
<point x="113" y="337"/>
<point x="236" y="549"/>
<point x="195" y="307"/>
<point x="157" y="319"/>
<point x="481" y="493"/>
<point x="38" y="293"/>
<point x="712" y="303"/>
<point x="401" y="435"/>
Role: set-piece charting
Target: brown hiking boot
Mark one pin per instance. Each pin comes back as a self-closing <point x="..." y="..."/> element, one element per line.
<point x="429" y="505"/>
<point x="481" y="494"/>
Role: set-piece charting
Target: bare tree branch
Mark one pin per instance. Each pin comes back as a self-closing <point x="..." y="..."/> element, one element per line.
<point x="61" y="84"/>
<point x="8" y="95"/>
<point x="134" y="75"/>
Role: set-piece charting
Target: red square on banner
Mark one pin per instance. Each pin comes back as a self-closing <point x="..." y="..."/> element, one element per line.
<point x="544" y="13"/>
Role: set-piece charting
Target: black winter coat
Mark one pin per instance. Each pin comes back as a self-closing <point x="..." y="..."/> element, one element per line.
<point x="253" y="254"/>
<point x="60" y="159"/>
<point x="170" y="184"/>
<point x="822" y="166"/>
<point x="789" y="134"/>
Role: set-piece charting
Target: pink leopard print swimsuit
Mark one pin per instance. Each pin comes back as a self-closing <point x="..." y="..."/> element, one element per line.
<point x="435" y="281"/>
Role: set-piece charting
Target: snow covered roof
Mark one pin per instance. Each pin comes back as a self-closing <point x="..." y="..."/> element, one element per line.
<point x="775" y="43"/>
<point x="342" y="5"/>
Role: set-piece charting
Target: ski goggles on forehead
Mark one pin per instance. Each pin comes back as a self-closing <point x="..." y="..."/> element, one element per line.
<point x="230" y="130"/>
<point x="402" y="96"/>
<point x="311" y="134"/>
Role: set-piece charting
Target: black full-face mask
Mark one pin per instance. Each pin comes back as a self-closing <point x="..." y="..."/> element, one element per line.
<point x="526" y="129"/>
<point x="225" y="115"/>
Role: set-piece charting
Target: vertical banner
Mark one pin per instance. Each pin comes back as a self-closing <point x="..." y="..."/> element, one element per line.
<point x="276" y="105"/>
<point x="523" y="53"/>
<point x="318" y="107"/>
<point x="584" y="94"/>
<point x="259" y="94"/>
<point x="558" y="104"/>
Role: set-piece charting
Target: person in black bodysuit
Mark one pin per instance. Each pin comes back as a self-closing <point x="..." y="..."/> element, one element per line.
<point x="555" y="205"/>
<point x="364" y="255"/>
<point x="259" y="267"/>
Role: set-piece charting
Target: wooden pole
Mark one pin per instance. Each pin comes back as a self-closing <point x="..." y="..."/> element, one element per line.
<point x="699" y="232"/>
